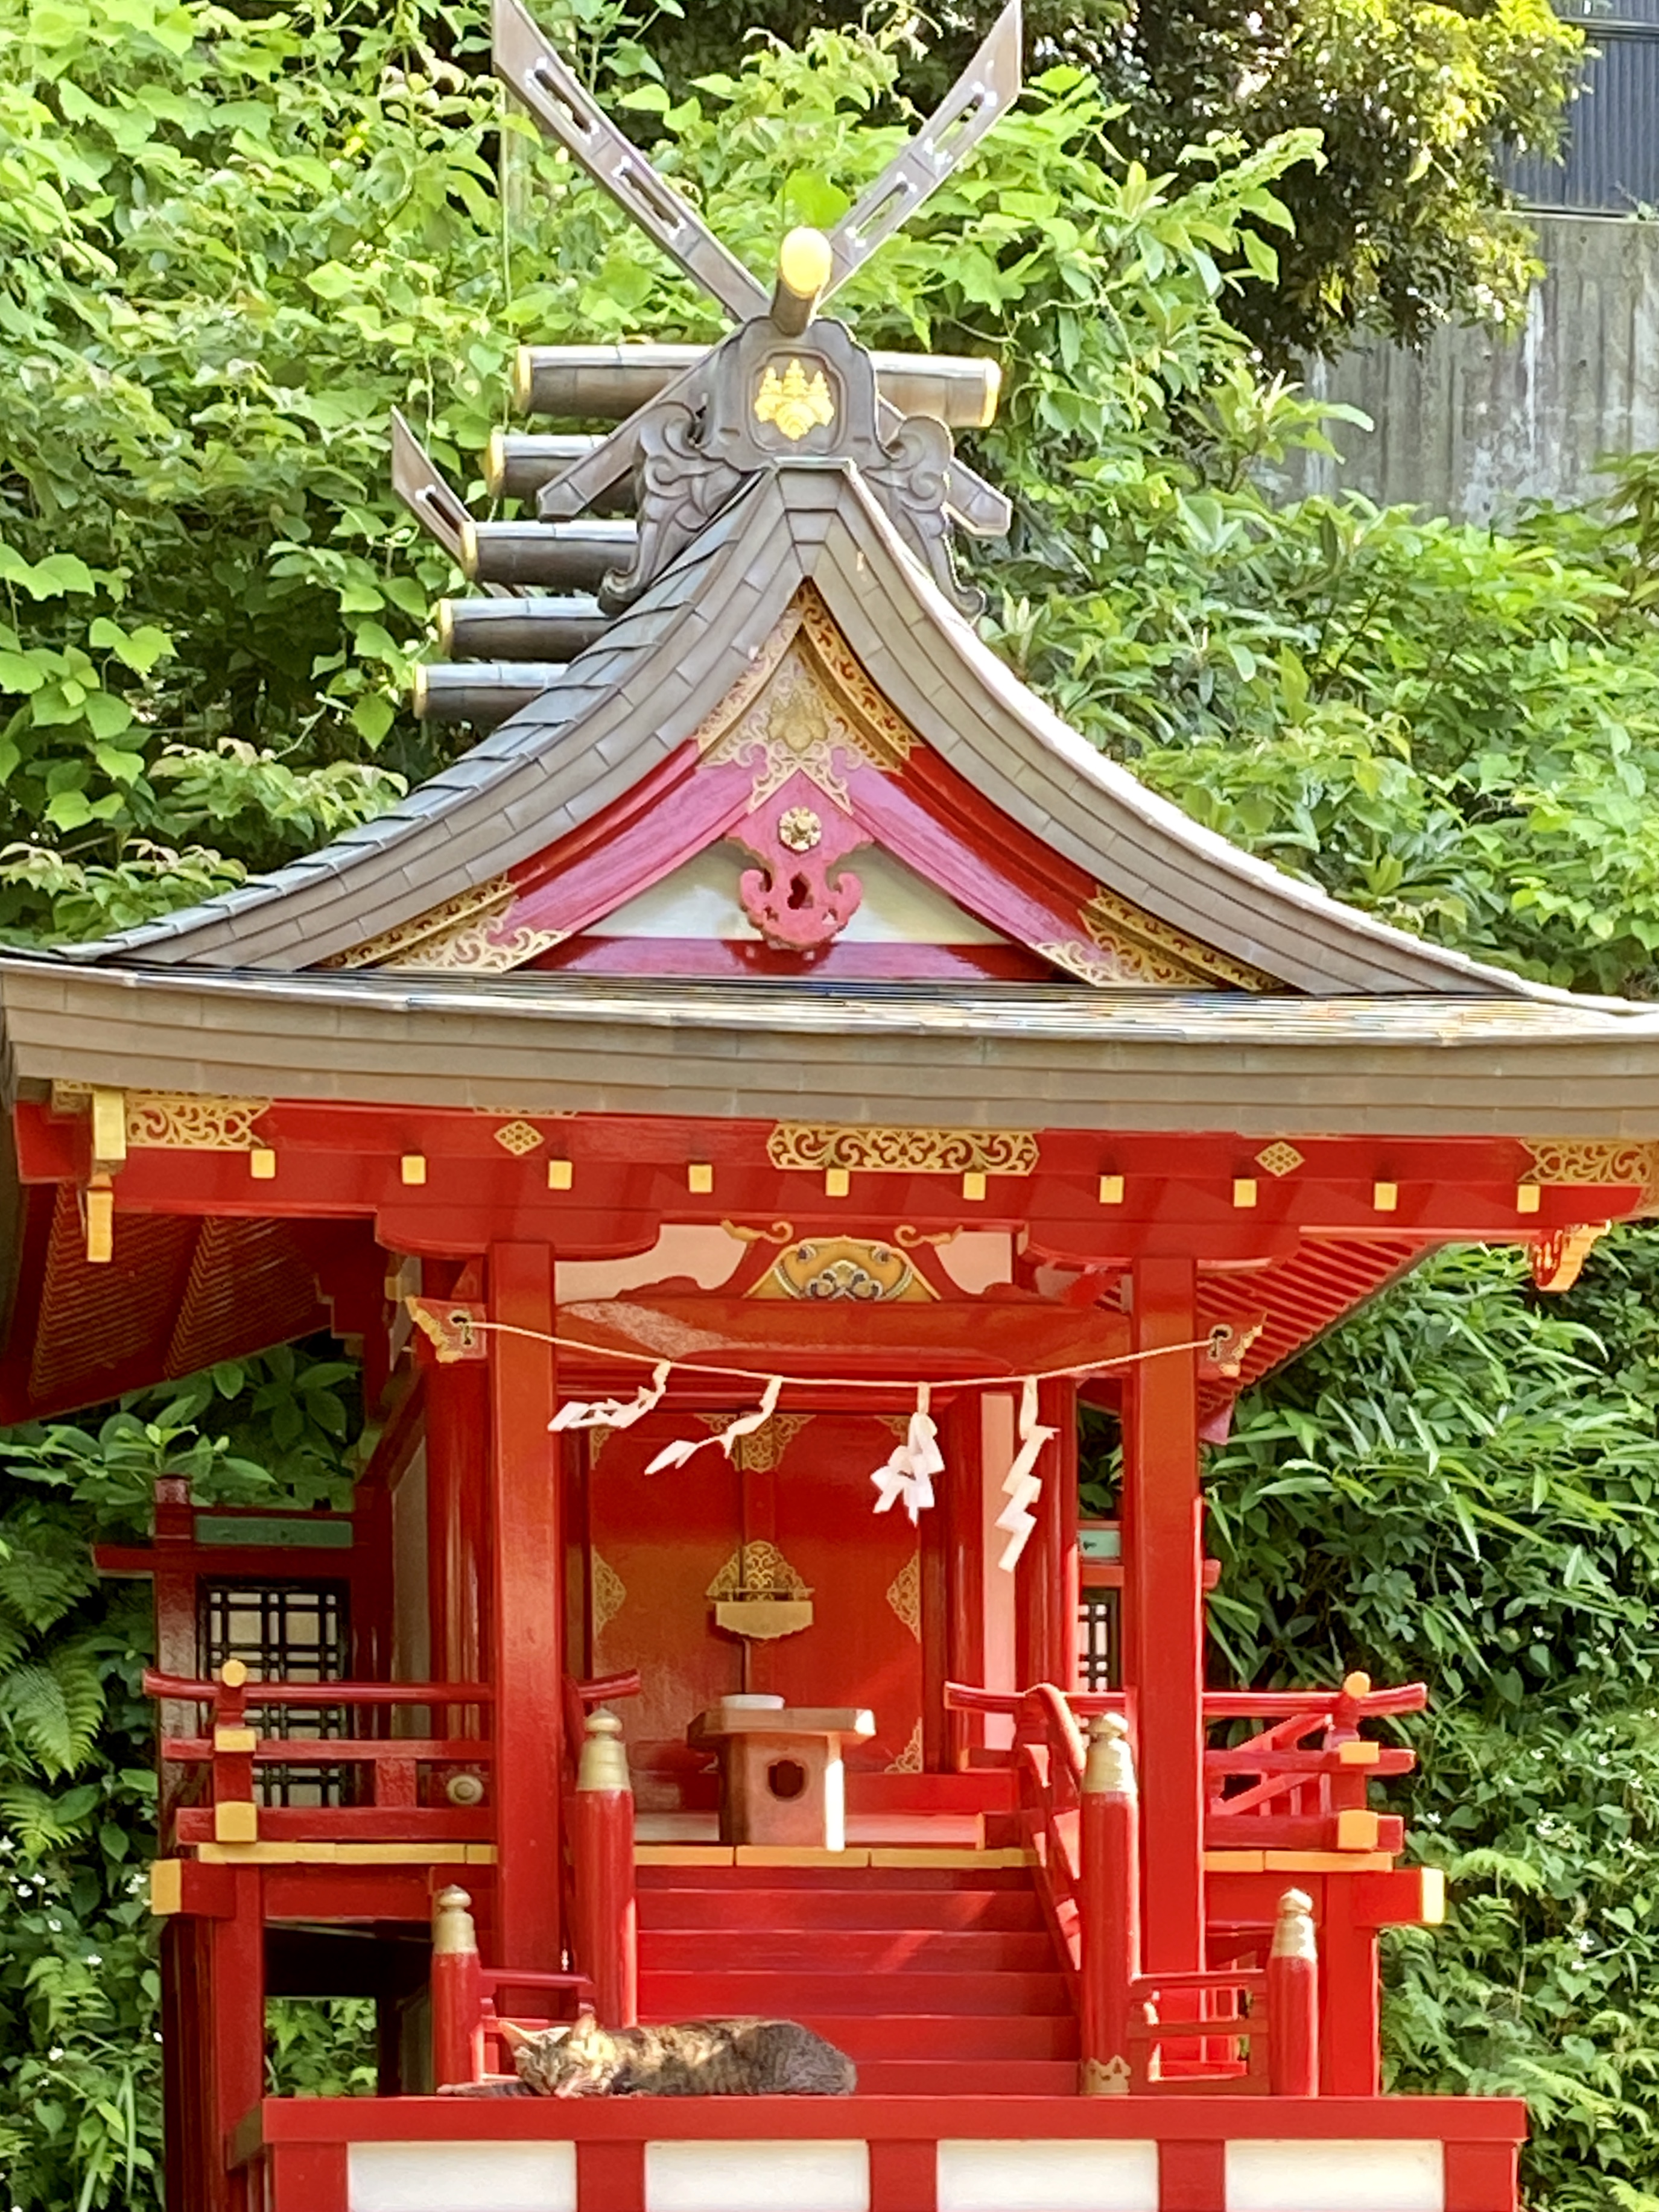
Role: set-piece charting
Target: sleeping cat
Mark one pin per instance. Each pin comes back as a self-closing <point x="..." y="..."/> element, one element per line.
<point x="694" y="2059"/>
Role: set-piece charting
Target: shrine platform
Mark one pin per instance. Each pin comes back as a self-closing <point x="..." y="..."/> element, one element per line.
<point x="931" y="2153"/>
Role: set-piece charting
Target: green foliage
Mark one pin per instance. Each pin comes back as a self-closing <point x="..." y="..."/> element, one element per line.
<point x="1404" y="225"/>
<point x="1463" y="1487"/>
<point x="320" y="2047"/>
<point x="80" y="2087"/>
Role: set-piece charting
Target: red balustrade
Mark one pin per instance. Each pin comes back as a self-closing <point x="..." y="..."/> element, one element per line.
<point x="1238" y="2028"/>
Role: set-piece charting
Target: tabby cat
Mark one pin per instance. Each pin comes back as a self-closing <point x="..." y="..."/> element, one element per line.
<point x="694" y="2059"/>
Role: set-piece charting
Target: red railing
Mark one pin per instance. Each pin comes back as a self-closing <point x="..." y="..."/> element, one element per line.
<point x="1235" y="2029"/>
<point x="420" y="1787"/>
<point x="1298" y="1793"/>
<point x="1295" y="1795"/>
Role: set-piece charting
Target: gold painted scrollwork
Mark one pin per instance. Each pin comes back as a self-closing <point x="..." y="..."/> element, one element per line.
<point x="905" y="1595"/>
<point x="607" y="1594"/>
<point x="1156" y="952"/>
<point x="760" y="1452"/>
<point x="910" y="1760"/>
<point x="902" y="1151"/>
<point x="174" y="1121"/>
<point x="1575" y="1163"/>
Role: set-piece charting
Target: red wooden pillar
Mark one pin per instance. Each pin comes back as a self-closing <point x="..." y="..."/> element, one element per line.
<point x="528" y="1611"/>
<point x="1164" y="1611"/>
<point x="1058" y="1410"/>
<point x="964" y="1571"/>
<point x="457" y="1476"/>
<point x="308" y="2176"/>
<point x="236" y="1999"/>
<point x="1350" y="1998"/>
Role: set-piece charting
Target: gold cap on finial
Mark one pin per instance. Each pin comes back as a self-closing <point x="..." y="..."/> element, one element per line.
<point x="805" y="261"/>
<point x="604" y="1761"/>
<point x="1109" y="1768"/>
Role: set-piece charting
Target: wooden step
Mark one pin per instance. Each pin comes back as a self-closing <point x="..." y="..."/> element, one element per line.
<point x="947" y="2036"/>
<point x="705" y="1906"/>
<point x="894" y="1952"/>
<point x="676" y="1995"/>
<point x="968" y="2077"/>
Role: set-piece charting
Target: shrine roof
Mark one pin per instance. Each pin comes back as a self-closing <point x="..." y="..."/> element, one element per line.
<point x="619" y="709"/>
<point x="1046" y="1056"/>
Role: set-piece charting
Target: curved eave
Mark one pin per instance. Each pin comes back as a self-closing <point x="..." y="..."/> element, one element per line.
<point x="1043" y="1057"/>
<point x="623" y="707"/>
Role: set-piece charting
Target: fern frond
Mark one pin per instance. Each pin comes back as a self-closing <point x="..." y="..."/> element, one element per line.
<point x="55" y="1706"/>
<point x="32" y="1819"/>
<point x="45" y="1568"/>
<point x="14" y="1636"/>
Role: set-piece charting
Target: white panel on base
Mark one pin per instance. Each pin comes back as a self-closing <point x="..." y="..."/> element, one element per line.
<point x="1048" y="2177"/>
<point x="1339" y="2176"/>
<point x="461" y="2177"/>
<point x="757" y="2177"/>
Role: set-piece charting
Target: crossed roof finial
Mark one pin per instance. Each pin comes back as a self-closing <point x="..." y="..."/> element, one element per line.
<point x="695" y="423"/>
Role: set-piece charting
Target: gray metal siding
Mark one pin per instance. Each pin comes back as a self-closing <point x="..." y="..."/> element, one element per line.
<point x="1612" y="145"/>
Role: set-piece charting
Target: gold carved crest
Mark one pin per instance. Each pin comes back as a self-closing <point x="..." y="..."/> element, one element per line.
<point x="794" y="402"/>
<point x="834" y="1267"/>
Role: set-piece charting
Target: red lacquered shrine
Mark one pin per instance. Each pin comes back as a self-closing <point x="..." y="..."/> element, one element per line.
<point x="738" y="1111"/>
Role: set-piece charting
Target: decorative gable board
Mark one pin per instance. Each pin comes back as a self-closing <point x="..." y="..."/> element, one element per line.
<point x="806" y="816"/>
<point x="644" y="751"/>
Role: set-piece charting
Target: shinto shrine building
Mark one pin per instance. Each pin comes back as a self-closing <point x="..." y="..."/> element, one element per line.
<point x="737" y="1112"/>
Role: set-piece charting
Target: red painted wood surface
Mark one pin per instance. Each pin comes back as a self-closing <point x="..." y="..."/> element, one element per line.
<point x="236" y="2012"/>
<point x="1058" y="1410"/>
<point x="963" y="1535"/>
<point x="1109" y="1895"/>
<point x="1164" y="1613"/>
<point x="606" y="1931"/>
<point x="529" y="1653"/>
<point x="659" y="1541"/>
<point x="1293" y="2013"/>
<point x="457" y="1401"/>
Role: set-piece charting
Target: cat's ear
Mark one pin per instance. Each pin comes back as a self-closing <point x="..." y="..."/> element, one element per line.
<point x="582" y="2031"/>
<point x="514" y="2037"/>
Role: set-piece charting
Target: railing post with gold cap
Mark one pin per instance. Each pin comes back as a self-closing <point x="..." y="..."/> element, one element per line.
<point x="602" y="1866"/>
<point x="1109" y="1897"/>
<point x="457" y="1991"/>
<point x="1293" y="2000"/>
<point x="235" y="1811"/>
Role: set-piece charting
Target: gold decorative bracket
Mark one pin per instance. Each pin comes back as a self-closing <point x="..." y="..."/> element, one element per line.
<point x="1557" y="1260"/>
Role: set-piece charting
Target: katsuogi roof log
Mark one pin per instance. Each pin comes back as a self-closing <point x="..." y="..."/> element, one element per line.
<point x="578" y="555"/>
<point x="482" y="692"/>
<point x="543" y="627"/>
<point x="609" y="382"/>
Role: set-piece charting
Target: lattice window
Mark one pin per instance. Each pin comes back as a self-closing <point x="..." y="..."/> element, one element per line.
<point x="1097" y="1643"/>
<point x="289" y="1632"/>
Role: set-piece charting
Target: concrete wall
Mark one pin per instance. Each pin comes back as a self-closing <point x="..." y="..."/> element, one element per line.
<point x="1484" y="420"/>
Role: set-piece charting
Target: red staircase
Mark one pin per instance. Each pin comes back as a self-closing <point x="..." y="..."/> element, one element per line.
<point x="935" y="1982"/>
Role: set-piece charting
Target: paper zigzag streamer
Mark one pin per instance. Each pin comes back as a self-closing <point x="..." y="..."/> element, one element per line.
<point x="613" y="1412"/>
<point x="911" y="1466"/>
<point x="683" y="1448"/>
<point x="1020" y="1487"/>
